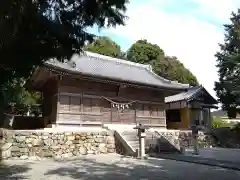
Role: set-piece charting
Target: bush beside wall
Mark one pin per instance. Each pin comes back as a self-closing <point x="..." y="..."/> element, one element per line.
<point x="219" y="123"/>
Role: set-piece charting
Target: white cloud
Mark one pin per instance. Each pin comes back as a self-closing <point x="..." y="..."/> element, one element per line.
<point x="192" y="40"/>
<point x="218" y="9"/>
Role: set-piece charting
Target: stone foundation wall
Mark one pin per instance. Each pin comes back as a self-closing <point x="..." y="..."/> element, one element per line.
<point x="184" y="138"/>
<point x="41" y="144"/>
<point x="204" y="140"/>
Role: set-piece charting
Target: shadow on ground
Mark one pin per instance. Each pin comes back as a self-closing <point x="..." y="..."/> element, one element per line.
<point x="13" y="172"/>
<point x="90" y="169"/>
<point x="111" y="167"/>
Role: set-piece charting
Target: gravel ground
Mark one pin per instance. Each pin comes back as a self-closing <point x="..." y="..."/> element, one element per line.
<point x="110" y="167"/>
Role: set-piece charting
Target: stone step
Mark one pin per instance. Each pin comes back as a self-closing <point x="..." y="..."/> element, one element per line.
<point x="162" y="142"/>
<point x="133" y="142"/>
<point x="131" y="138"/>
<point x="129" y="134"/>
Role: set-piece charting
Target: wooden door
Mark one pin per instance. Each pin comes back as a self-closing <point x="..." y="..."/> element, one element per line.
<point x="69" y="110"/>
<point x="124" y="116"/>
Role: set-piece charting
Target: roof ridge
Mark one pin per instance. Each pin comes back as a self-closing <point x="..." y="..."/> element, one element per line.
<point x="109" y="58"/>
<point x="148" y="67"/>
<point x="167" y="80"/>
<point x="198" y="88"/>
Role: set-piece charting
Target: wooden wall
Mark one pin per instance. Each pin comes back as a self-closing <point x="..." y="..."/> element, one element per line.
<point x="188" y="116"/>
<point x="185" y="120"/>
<point x="83" y="102"/>
<point x="50" y="90"/>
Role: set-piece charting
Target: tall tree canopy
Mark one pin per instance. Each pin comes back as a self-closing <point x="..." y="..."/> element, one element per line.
<point x="33" y="31"/>
<point x="167" y="67"/>
<point x="105" y="46"/>
<point x="228" y="63"/>
<point x="146" y="53"/>
<point x="171" y="68"/>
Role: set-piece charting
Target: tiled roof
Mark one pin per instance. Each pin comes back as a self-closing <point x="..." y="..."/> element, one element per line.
<point x="188" y="95"/>
<point x="116" y="69"/>
<point x="183" y="95"/>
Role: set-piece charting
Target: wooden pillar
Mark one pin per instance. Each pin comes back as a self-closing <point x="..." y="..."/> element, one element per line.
<point x="209" y="119"/>
<point x="135" y="113"/>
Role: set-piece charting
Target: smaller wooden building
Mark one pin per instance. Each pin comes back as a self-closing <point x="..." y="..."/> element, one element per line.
<point x="186" y="107"/>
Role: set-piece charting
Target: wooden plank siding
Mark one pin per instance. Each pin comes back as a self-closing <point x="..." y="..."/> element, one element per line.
<point x="82" y="102"/>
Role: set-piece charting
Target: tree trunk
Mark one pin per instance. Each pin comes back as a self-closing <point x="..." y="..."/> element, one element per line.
<point x="232" y="113"/>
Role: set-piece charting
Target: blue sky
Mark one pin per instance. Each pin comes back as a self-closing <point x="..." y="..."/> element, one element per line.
<point x="188" y="29"/>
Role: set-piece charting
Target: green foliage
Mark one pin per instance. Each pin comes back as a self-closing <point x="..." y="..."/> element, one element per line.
<point x="236" y="128"/>
<point x="144" y="52"/>
<point x="31" y="32"/>
<point x="217" y="122"/>
<point x="105" y="46"/>
<point x="228" y="63"/>
<point x="168" y="67"/>
<point x="15" y="95"/>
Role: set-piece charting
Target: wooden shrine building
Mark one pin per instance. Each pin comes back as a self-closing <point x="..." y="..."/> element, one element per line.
<point x="186" y="107"/>
<point x="93" y="89"/>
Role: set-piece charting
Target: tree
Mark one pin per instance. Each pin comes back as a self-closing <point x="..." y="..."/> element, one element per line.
<point x="168" y="67"/>
<point x="33" y="31"/>
<point x="105" y="46"/>
<point x="19" y="99"/>
<point x="144" y="52"/>
<point x="228" y="63"/>
<point x="171" y="68"/>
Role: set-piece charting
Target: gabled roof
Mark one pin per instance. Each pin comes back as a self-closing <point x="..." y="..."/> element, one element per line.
<point x="190" y="94"/>
<point x="92" y="64"/>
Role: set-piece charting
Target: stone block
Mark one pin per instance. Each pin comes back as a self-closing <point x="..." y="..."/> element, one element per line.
<point x="15" y="149"/>
<point x="23" y="150"/>
<point x="110" y="146"/>
<point x="6" y="146"/>
<point x="6" y="154"/>
<point x="111" y="150"/>
<point x="77" y="137"/>
<point x="20" y="138"/>
<point x="103" y="149"/>
<point x="24" y="157"/>
<point x="83" y="150"/>
<point x="90" y="152"/>
<point x="34" y="158"/>
<point x="45" y="154"/>
<point x="48" y="142"/>
<point x="90" y="140"/>
<point x="37" y="142"/>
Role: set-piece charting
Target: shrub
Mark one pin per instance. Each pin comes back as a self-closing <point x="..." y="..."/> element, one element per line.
<point x="236" y="128"/>
<point x="217" y="122"/>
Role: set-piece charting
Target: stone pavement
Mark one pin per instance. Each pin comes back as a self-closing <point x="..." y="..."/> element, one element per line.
<point x="222" y="157"/>
<point x="111" y="166"/>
